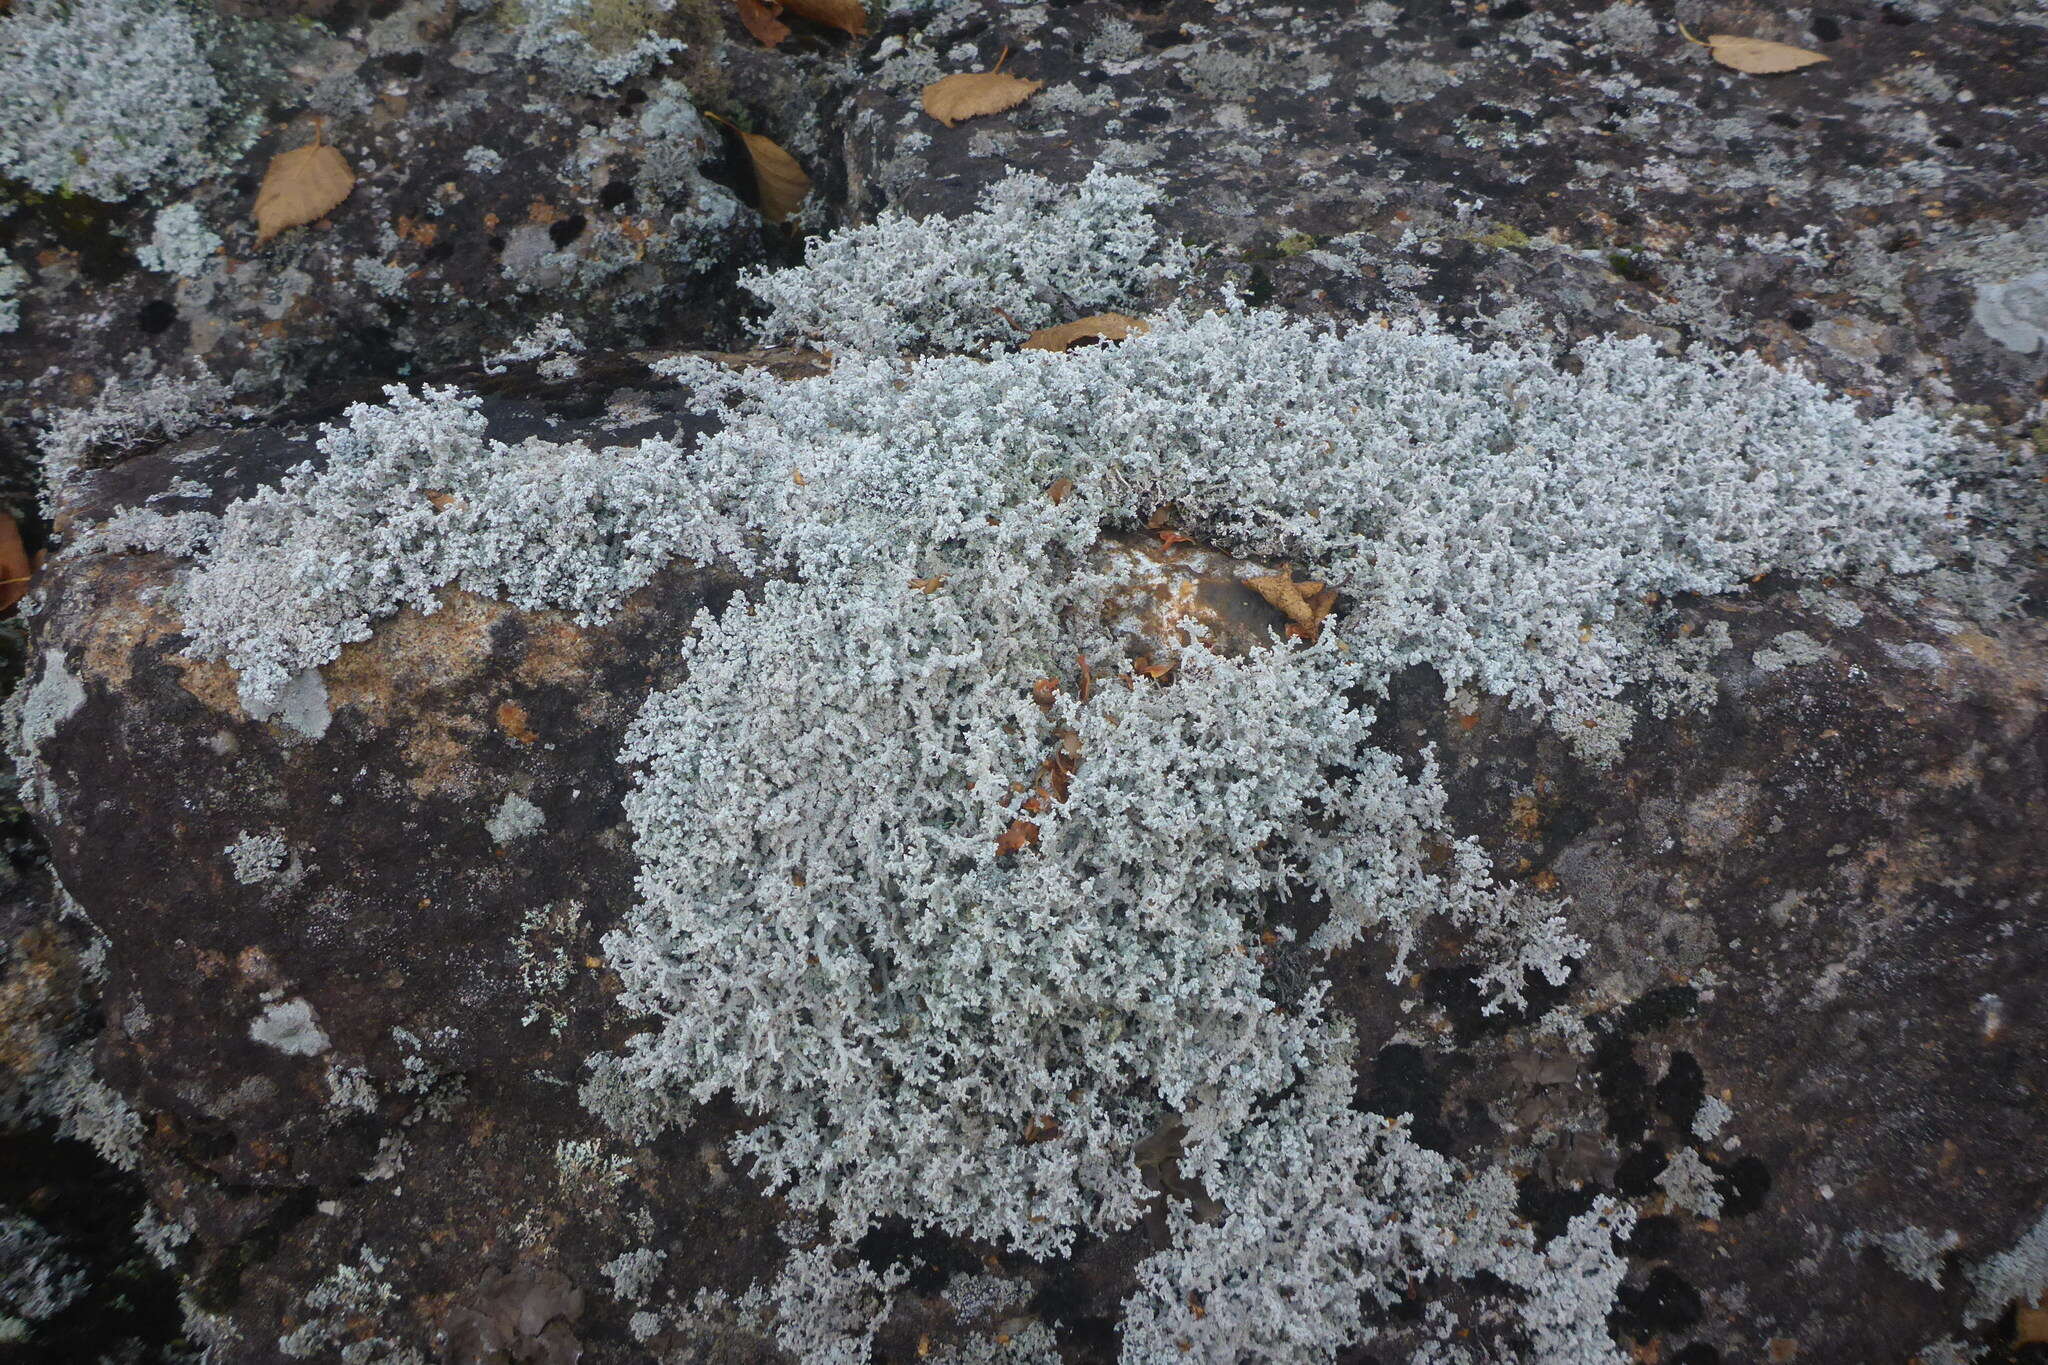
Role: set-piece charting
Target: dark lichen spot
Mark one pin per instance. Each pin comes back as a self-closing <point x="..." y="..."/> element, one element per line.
<point x="1699" y="1353"/>
<point x="1637" y="1174"/>
<point x="617" y="195"/>
<point x="496" y="244"/>
<point x="1664" y="1302"/>
<point x="1063" y="1299"/>
<point x="1551" y="1208"/>
<point x="1897" y="17"/>
<point x="1683" y="1089"/>
<point x="931" y="1260"/>
<point x="566" y="230"/>
<point x="1743" y="1186"/>
<point x="1624" y="1087"/>
<point x="1799" y="319"/>
<point x="406" y="64"/>
<point x="156" y="316"/>
<point x="1826" y="27"/>
<point x="1402" y="1084"/>
<point x="1658" y="1009"/>
<point x="439" y="251"/>
<point x="1655" y="1237"/>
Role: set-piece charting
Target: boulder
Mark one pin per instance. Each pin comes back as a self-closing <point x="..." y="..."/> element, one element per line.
<point x="354" y="967"/>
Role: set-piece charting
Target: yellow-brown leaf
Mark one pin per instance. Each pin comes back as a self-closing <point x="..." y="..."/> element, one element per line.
<point x="970" y="94"/>
<point x="1021" y="834"/>
<point x="301" y="186"/>
<point x="1099" y="327"/>
<point x="779" y="183"/>
<point x="1758" y="56"/>
<point x="14" y="566"/>
<point x="759" y="18"/>
<point x="845" y="15"/>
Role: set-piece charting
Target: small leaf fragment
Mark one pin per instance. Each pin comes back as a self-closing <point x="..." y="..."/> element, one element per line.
<point x="759" y="18"/>
<point x="1021" y="834"/>
<point x="1304" y="603"/>
<point x="15" y="570"/>
<point x="300" y="187"/>
<point x="779" y="183"/>
<point x="1759" y="56"/>
<point x="849" y="16"/>
<point x="1059" y="490"/>
<point x="970" y="94"/>
<point x="1097" y="328"/>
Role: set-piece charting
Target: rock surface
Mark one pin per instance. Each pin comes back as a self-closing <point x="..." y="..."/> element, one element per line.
<point x="352" y="978"/>
<point x="1814" y="901"/>
<point x="1553" y="170"/>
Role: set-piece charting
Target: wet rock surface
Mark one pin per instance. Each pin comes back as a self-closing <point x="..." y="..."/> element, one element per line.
<point x="350" y="982"/>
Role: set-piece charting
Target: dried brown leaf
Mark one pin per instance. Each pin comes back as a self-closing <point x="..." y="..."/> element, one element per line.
<point x="300" y="187"/>
<point x="15" y="570"/>
<point x="1021" y="834"/>
<point x="759" y="17"/>
<point x="1758" y="56"/>
<point x="1059" y="489"/>
<point x="779" y="183"/>
<point x="846" y="15"/>
<point x="1099" y="327"/>
<point x="970" y="94"/>
<point x="2030" y="1323"/>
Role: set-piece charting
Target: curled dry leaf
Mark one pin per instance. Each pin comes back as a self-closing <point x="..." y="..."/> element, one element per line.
<point x="846" y="15"/>
<point x="15" y="570"/>
<point x="970" y="94"/>
<point x="1021" y="834"/>
<point x="301" y="186"/>
<point x="779" y="183"/>
<point x="1099" y="327"/>
<point x="1304" y="602"/>
<point x="1756" y="56"/>
<point x="759" y="17"/>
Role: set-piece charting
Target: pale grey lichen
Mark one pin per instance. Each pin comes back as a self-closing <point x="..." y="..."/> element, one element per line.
<point x="1712" y="1115"/>
<point x="516" y="818"/>
<point x="104" y="97"/>
<point x="1034" y="254"/>
<point x="634" y="1273"/>
<point x="13" y="280"/>
<point x="35" y="713"/>
<point x="1791" y="649"/>
<point x="335" y="1309"/>
<point x="291" y="1027"/>
<point x="593" y="45"/>
<point x="160" y="1237"/>
<point x="38" y="1278"/>
<point x="412" y="498"/>
<point x="1917" y="1253"/>
<point x="126" y="412"/>
<point x="2014" y="313"/>
<point x="180" y="242"/>
<point x="257" y="857"/>
<point x="2018" y="1274"/>
<point x="1689" y="1183"/>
